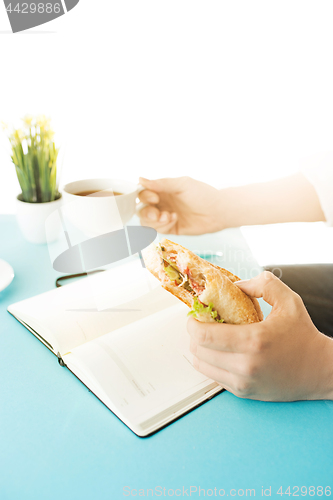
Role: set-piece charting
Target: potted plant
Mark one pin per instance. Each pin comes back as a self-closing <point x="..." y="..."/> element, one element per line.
<point x="34" y="155"/>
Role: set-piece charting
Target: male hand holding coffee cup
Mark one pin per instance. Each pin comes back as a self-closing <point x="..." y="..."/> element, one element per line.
<point x="285" y="357"/>
<point x="183" y="205"/>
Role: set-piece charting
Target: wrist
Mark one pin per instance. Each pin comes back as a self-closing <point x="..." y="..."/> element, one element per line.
<point x="226" y="209"/>
<point x="240" y="206"/>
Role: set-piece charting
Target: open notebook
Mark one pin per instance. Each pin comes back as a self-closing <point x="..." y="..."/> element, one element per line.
<point x="125" y="338"/>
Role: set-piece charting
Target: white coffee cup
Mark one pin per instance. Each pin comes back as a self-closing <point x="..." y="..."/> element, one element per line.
<point x="95" y="214"/>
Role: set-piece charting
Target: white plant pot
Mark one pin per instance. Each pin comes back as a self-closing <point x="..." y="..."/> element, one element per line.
<point x="31" y="219"/>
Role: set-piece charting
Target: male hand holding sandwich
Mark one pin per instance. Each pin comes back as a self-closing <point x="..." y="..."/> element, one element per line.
<point x="285" y="357"/>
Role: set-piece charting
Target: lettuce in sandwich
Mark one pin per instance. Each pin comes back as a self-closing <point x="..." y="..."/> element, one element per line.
<point x="199" y="308"/>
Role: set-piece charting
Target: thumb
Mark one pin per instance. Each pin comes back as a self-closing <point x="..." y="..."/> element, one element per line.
<point x="167" y="185"/>
<point x="267" y="286"/>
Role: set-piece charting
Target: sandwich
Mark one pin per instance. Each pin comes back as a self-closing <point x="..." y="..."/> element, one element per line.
<point x="208" y="290"/>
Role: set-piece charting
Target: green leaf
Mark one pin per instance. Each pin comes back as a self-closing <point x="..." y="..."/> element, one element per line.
<point x="36" y="168"/>
<point x="199" y="308"/>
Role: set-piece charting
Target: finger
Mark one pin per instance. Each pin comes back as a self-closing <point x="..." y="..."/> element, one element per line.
<point x="230" y="361"/>
<point x="225" y="387"/>
<point x="257" y="308"/>
<point x="220" y="375"/>
<point x="153" y="220"/>
<point x="165" y="229"/>
<point x="153" y="214"/>
<point x="147" y="196"/>
<point x="267" y="286"/>
<point x="222" y="337"/>
<point x="166" y="185"/>
<point x="234" y="392"/>
<point x="149" y="214"/>
<point x="165" y="217"/>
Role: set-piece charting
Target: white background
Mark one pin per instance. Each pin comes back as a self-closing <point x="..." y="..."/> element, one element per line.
<point x="228" y="92"/>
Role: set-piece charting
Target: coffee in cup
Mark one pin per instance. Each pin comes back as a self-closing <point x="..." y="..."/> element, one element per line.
<point x="98" y="206"/>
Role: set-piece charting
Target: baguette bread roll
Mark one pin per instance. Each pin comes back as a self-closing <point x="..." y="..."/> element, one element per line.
<point x="207" y="289"/>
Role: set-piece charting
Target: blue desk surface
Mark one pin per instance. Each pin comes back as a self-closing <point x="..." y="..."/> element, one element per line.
<point x="58" y="441"/>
